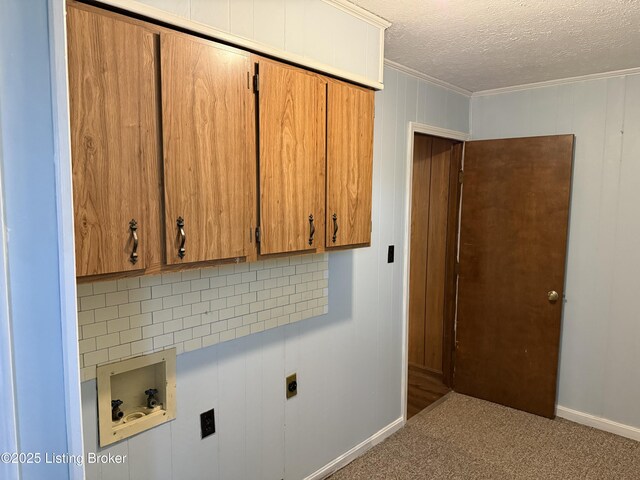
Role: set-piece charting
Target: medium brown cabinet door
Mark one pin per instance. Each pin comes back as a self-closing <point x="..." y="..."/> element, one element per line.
<point x="207" y="122"/>
<point x="349" y="164"/>
<point x="292" y="158"/>
<point x="112" y="107"/>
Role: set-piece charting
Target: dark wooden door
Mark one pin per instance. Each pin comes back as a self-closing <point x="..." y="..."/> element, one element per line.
<point x="513" y="241"/>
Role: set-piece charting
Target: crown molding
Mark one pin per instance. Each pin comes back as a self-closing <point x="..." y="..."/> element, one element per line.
<point x="426" y="78"/>
<point x="559" y="81"/>
<point x="360" y="13"/>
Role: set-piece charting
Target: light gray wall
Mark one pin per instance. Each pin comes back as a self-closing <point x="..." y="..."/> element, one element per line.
<point x="32" y="305"/>
<point x="314" y="30"/>
<point x="349" y="362"/>
<point x="600" y="353"/>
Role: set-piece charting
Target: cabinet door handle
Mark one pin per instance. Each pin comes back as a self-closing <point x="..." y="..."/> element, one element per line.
<point x="312" y="229"/>
<point x="183" y="237"/>
<point x="335" y="228"/>
<point x="133" y="226"/>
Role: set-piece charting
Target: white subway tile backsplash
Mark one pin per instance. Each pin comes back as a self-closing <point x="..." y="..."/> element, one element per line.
<point x="172" y="301"/>
<point x="196" y="308"/>
<point x="199" y="284"/>
<point x="191" y="345"/>
<point x="130" y="283"/>
<point x="106" y="341"/>
<point x="173" y="325"/>
<point x="210" y="340"/>
<point x="93" y="358"/>
<point x="121" y="351"/>
<point x="183" y="335"/>
<point x="117" y="298"/>
<point x="105" y="287"/>
<point x="94" y="330"/>
<point x="137" y="294"/>
<point x="92" y="302"/>
<point x="201" y="331"/>
<point x="190" y="275"/>
<point x="118" y="325"/>
<point x="85" y="318"/>
<point x="163" y="340"/>
<point x="220" y="326"/>
<point x="140" y="320"/>
<point x="84" y="289"/>
<point x="142" y="346"/>
<point x="88" y="345"/>
<point x="227" y="335"/>
<point x="129" y="309"/>
<point x="211" y="317"/>
<point x="152" y="330"/>
<point x="128" y="336"/>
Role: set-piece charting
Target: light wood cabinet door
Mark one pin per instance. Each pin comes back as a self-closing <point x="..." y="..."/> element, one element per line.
<point x="292" y="158"/>
<point x="112" y="108"/>
<point x="207" y="131"/>
<point x="350" y="111"/>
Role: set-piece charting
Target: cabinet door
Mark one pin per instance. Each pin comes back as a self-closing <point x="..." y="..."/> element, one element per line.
<point x="112" y="106"/>
<point x="206" y="112"/>
<point x="292" y="158"/>
<point x="349" y="164"/>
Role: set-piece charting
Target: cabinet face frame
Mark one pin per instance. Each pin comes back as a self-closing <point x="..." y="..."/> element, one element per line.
<point x="112" y="97"/>
<point x="292" y="146"/>
<point x="207" y="132"/>
<point x="350" y="119"/>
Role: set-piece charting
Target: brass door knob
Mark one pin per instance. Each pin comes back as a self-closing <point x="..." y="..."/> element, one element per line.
<point x="553" y="296"/>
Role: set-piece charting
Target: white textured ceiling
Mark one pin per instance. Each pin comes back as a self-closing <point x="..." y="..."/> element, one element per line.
<point x="486" y="44"/>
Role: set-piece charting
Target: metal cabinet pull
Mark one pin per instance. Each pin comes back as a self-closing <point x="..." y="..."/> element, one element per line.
<point x="133" y="226"/>
<point x="312" y="229"/>
<point x="183" y="237"/>
<point x="335" y="227"/>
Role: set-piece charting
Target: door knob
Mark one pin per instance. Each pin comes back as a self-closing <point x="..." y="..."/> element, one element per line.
<point x="553" y="296"/>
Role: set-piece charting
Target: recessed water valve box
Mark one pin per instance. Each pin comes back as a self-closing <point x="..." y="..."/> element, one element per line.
<point x="135" y="395"/>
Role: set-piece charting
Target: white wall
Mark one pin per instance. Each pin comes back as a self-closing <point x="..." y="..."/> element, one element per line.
<point x="333" y="36"/>
<point x="33" y="305"/>
<point x="600" y="352"/>
<point x="349" y="362"/>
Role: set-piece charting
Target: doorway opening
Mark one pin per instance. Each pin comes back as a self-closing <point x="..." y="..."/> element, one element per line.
<point x="435" y="201"/>
<point x="483" y="307"/>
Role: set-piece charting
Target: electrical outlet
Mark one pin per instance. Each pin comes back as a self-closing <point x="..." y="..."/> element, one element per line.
<point x="207" y="423"/>
<point x="292" y="386"/>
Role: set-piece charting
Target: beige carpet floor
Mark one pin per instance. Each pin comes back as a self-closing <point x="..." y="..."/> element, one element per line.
<point x="467" y="438"/>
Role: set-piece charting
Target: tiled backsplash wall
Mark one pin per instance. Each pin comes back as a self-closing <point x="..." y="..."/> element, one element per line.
<point x="196" y="308"/>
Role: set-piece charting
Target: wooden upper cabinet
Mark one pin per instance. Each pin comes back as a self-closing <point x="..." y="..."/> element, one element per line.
<point x="292" y="109"/>
<point x="207" y="136"/>
<point x="350" y="111"/>
<point x="113" y="134"/>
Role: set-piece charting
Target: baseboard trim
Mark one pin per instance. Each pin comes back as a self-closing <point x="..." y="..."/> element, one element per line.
<point x="356" y="451"/>
<point x="599" y="423"/>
